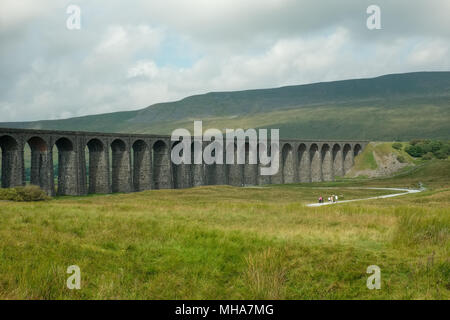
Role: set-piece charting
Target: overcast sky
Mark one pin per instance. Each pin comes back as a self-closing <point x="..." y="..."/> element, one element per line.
<point x="131" y="54"/>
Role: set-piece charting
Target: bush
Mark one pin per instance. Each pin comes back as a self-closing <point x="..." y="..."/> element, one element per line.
<point x="435" y="146"/>
<point x="28" y="193"/>
<point x="397" y="145"/>
<point x="445" y="149"/>
<point x="414" y="150"/>
<point x="427" y="156"/>
<point x="419" y="148"/>
<point x="441" y="154"/>
<point x="401" y="159"/>
<point x="415" y="141"/>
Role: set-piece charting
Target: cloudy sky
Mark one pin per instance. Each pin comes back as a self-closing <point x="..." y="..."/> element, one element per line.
<point x="131" y="54"/>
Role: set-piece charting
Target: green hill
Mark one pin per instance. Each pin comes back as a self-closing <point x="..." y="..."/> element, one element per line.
<point x="386" y="108"/>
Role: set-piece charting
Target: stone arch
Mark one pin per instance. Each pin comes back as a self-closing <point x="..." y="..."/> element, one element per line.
<point x="67" y="164"/>
<point x="287" y="156"/>
<point x="348" y="158"/>
<point x="141" y="166"/>
<point x="12" y="162"/>
<point x="250" y="170"/>
<point x="357" y="150"/>
<point x="304" y="169"/>
<point x="41" y="171"/>
<point x="38" y="144"/>
<point x="161" y="166"/>
<point x="327" y="163"/>
<point x="316" y="163"/>
<point x="121" y="167"/>
<point x="98" y="167"/>
<point x="338" y="160"/>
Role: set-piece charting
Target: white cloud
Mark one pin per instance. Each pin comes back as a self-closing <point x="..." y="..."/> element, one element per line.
<point x="146" y="69"/>
<point x="430" y="52"/>
<point x="128" y="56"/>
<point x="129" y="39"/>
<point x="14" y="13"/>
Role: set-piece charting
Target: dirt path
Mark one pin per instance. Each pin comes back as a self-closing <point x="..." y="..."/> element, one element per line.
<point x="403" y="192"/>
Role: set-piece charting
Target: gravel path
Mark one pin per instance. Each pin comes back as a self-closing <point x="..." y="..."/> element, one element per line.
<point x="403" y="192"/>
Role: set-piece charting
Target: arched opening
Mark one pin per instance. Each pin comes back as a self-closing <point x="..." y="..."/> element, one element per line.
<point x="338" y="161"/>
<point x="66" y="167"/>
<point x="304" y="170"/>
<point x="251" y="167"/>
<point x="357" y="150"/>
<point x="316" y="163"/>
<point x="288" y="164"/>
<point x="348" y="158"/>
<point x="141" y="166"/>
<point x="161" y="166"/>
<point x="39" y="164"/>
<point x="12" y="163"/>
<point x="98" y="169"/>
<point x="197" y="174"/>
<point x="121" y="167"/>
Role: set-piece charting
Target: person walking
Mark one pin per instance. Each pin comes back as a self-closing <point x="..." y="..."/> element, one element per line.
<point x="335" y="198"/>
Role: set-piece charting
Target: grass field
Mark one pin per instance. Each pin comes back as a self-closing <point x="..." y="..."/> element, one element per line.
<point x="223" y="242"/>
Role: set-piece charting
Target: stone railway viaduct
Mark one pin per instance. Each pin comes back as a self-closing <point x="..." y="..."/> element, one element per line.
<point x="106" y="163"/>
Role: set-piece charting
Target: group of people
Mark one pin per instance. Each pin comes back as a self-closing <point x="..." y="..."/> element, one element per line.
<point x="332" y="198"/>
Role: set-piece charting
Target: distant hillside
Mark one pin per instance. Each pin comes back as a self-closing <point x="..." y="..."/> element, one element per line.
<point x="391" y="107"/>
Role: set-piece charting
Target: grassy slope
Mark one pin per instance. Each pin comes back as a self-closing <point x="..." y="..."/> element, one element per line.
<point x="225" y="242"/>
<point x="343" y="121"/>
<point x="393" y="107"/>
<point x="366" y="160"/>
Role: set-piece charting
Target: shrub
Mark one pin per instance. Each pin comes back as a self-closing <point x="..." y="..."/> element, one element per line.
<point x="435" y="146"/>
<point x="441" y="154"/>
<point x="419" y="148"/>
<point x="397" y="145"/>
<point x="427" y="156"/>
<point x="445" y="150"/>
<point x="415" y="141"/>
<point x="28" y="193"/>
<point x="401" y="159"/>
<point x="414" y="150"/>
<point x="7" y="194"/>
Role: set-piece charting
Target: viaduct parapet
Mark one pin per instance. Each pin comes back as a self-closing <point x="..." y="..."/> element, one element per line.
<point x="89" y="162"/>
